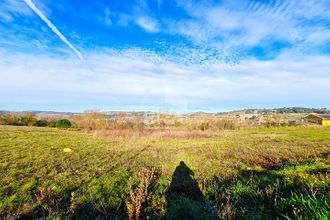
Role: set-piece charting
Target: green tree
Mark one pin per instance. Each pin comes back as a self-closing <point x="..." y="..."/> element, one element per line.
<point x="63" y="123"/>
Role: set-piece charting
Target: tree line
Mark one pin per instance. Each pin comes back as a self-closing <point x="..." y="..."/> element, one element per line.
<point x="29" y="119"/>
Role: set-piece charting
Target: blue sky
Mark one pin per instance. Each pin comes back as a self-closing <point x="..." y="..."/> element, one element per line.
<point x="173" y="55"/>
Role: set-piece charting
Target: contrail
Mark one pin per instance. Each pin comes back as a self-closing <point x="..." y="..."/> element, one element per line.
<point x="52" y="27"/>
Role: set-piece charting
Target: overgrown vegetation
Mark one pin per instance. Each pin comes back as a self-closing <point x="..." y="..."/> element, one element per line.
<point x="124" y="124"/>
<point x="256" y="173"/>
<point x="29" y="119"/>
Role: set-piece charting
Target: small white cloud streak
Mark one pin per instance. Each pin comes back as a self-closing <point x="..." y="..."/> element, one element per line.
<point x="53" y="27"/>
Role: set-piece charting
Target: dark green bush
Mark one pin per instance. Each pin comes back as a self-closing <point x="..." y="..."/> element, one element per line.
<point x="63" y="123"/>
<point x="41" y="123"/>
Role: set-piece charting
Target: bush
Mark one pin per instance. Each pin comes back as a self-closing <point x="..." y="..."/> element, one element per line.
<point x="225" y="124"/>
<point x="28" y="119"/>
<point x="91" y="121"/>
<point x="275" y="120"/>
<point x="52" y="123"/>
<point x="140" y="195"/>
<point x="41" y="123"/>
<point x="204" y="126"/>
<point x="12" y="119"/>
<point x="2" y="119"/>
<point x="64" y="123"/>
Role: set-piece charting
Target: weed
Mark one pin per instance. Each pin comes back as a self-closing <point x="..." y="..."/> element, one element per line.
<point x="139" y="197"/>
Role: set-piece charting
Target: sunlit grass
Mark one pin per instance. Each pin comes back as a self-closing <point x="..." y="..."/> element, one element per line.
<point x="54" y="172"/>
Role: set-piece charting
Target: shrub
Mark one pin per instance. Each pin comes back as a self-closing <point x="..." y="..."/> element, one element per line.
<point x="204" y="126"/>
<point x="2" y="119"/>
<point x="12" y="119"/>
<point x="275" y="120"/>
<point x="63" y="123"/>
<point x="139" y="197"/>
<point x="225" y="124"/>
<point x="52" y="123"/>
<point x="91" y="121"/>
<point x="28" y="119"/>
<point x="41" y="123"/>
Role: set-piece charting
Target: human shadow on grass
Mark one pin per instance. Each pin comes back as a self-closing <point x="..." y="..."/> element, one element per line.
<point x="184" y="199"/>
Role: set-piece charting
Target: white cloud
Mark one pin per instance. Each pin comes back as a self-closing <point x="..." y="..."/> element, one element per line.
<point x="148" y="24"/>
<point x="236" y="24"/>
<point x="114" y="78"/>
<point x="106" y="18"/>
<point x="10" y="8"/>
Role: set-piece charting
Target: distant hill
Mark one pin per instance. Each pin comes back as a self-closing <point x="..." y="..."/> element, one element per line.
<point x="286" y="110"/>
<point x="37" y="112"/>
<point x="303" y="110"/>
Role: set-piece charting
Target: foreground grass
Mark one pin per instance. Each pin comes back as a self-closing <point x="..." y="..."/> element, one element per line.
<point x="251" y="173"/>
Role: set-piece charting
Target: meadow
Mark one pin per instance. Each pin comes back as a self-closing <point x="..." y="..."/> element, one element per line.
<point x="247" y="173"/>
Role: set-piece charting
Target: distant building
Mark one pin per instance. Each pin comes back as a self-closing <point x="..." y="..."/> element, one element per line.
<point x="322" y="119"/>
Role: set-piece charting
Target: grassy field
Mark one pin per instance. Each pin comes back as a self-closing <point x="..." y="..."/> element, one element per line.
<point x="250" y="173"/>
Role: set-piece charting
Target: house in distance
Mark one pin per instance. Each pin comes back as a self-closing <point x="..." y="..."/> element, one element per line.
<point x="322" y="119"/>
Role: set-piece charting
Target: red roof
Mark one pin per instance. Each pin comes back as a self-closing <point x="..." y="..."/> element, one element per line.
<point x="321" y="116"/>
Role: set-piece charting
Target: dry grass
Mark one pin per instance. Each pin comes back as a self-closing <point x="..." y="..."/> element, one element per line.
<point x="153" y="134"/>
<point x="140" y="191"/>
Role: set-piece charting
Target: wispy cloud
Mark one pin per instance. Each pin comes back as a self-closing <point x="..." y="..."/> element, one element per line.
<point x="10" y="8"/>
<point x="148" y="24"/>
<point x="53" y="27"/>
<point x="233" y="25"/>
<point x="156" y="82"/>
<point x="106" y="18"/>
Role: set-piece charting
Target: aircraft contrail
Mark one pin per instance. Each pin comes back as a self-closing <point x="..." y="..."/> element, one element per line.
<point x="53" y="27"/>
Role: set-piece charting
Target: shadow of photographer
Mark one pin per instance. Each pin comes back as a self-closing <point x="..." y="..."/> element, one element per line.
<point x="184" y="199"/>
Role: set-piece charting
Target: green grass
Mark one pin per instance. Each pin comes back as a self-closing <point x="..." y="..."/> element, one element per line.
<point x="239" y="173"/>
